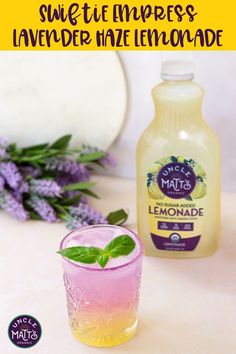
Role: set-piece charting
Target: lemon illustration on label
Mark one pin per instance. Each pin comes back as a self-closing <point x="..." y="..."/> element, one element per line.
<point x="180" y="159"/>
<point x="156" y="169"/>
<point x="154" y="191"/>
<point x="199" y="190"/>
<point x="199" y="171"/>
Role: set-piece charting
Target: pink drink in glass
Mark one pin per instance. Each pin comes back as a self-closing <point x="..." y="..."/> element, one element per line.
<point x="102" y="303"/>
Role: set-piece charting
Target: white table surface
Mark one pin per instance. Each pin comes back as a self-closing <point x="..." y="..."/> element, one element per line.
<point x="186" y="306"/>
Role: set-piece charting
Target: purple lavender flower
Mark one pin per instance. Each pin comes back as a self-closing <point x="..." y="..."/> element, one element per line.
<point x="30" y="171"/>
<point x="24" y="187"/>
<point x="12" y="206"/>
<point x="3" y="154"/>
<point x="45" y="188"/>
<point x="43" y="209"/>
<point x="83" y="215"/>
<point x="18" y="193"/>
<point x="73" y="223"/>
<point x="87" y="214"/>
<point x="84" y="199"/>
<point x="3" y="149"/>
<point x="62" y="164"/>
<point x="2" y="184"/>
<point x="83" y="174"/>
<point x="63" y="179"/>
<point x="9" y="171"/>
<point x="72" y="194"/>
<point x="3" y="142"/>
<point x="109" y="160"/>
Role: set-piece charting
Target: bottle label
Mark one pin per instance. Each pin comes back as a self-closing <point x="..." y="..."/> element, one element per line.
<point x="176" y="188"/>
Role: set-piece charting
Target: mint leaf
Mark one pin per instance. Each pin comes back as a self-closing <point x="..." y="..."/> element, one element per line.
<point x="61" y="143"/>
<point x="81" y="254"/>
<point x="102" y="259"/>
<point x="118" y="217"/>
<point x="120" y="246"/>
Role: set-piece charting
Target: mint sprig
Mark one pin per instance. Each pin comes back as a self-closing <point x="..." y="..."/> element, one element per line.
<point x="119" y="246"/>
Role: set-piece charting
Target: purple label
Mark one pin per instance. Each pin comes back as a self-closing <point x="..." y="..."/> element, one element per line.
<point x="176" y="180"/>
<point x="175" y="226"/>
<point x="24" y="331"/>
<point x="175" y="243"/>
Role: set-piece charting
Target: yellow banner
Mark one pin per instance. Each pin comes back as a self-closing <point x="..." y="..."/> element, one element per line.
<point x="120" y="25"/>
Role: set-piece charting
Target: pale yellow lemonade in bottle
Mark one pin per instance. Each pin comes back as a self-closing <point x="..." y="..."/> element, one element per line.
<point x="178" y="171"/>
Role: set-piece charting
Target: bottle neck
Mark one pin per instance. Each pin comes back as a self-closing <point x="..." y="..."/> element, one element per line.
<point x="177" y="103"/>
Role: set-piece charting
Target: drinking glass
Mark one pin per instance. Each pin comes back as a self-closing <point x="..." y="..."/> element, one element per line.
<point x="102" y="302"/>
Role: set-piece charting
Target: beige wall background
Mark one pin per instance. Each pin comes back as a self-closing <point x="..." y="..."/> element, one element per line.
<point x="215" y="71"/>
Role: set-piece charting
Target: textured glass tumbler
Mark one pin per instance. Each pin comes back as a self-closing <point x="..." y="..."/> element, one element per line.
<point x="102" y="302"/>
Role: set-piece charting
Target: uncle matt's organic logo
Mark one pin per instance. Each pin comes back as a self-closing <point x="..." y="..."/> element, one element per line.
<point x="24" y="331"/>
<point x="176" y="180"/>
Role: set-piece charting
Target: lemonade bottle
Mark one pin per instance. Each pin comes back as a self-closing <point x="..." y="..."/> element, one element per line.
<point x="178" y="171"/>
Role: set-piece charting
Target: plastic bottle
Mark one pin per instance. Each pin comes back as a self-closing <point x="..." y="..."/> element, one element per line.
<point x="178" y="171"/>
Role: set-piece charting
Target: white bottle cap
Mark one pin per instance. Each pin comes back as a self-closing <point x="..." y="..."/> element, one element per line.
<point x="177" y="70"/>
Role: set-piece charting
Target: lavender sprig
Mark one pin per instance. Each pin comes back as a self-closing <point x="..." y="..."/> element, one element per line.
<point x="18" y="194"/>
<point x="30" y="171"/>
<point x="82" y="215"/>
<point x="45" y="188"/>
<point x="10" y="172"/>
<point x="43" y="209"/>
<point x="24" y="187"/>
<point x="83" y="174"/>
<point x="73" y="223"/>
<point x="62" y="164"/>
<point x="12" y="206"/>
<point x="108" y="160"/>
<point x="52" y="182"/>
